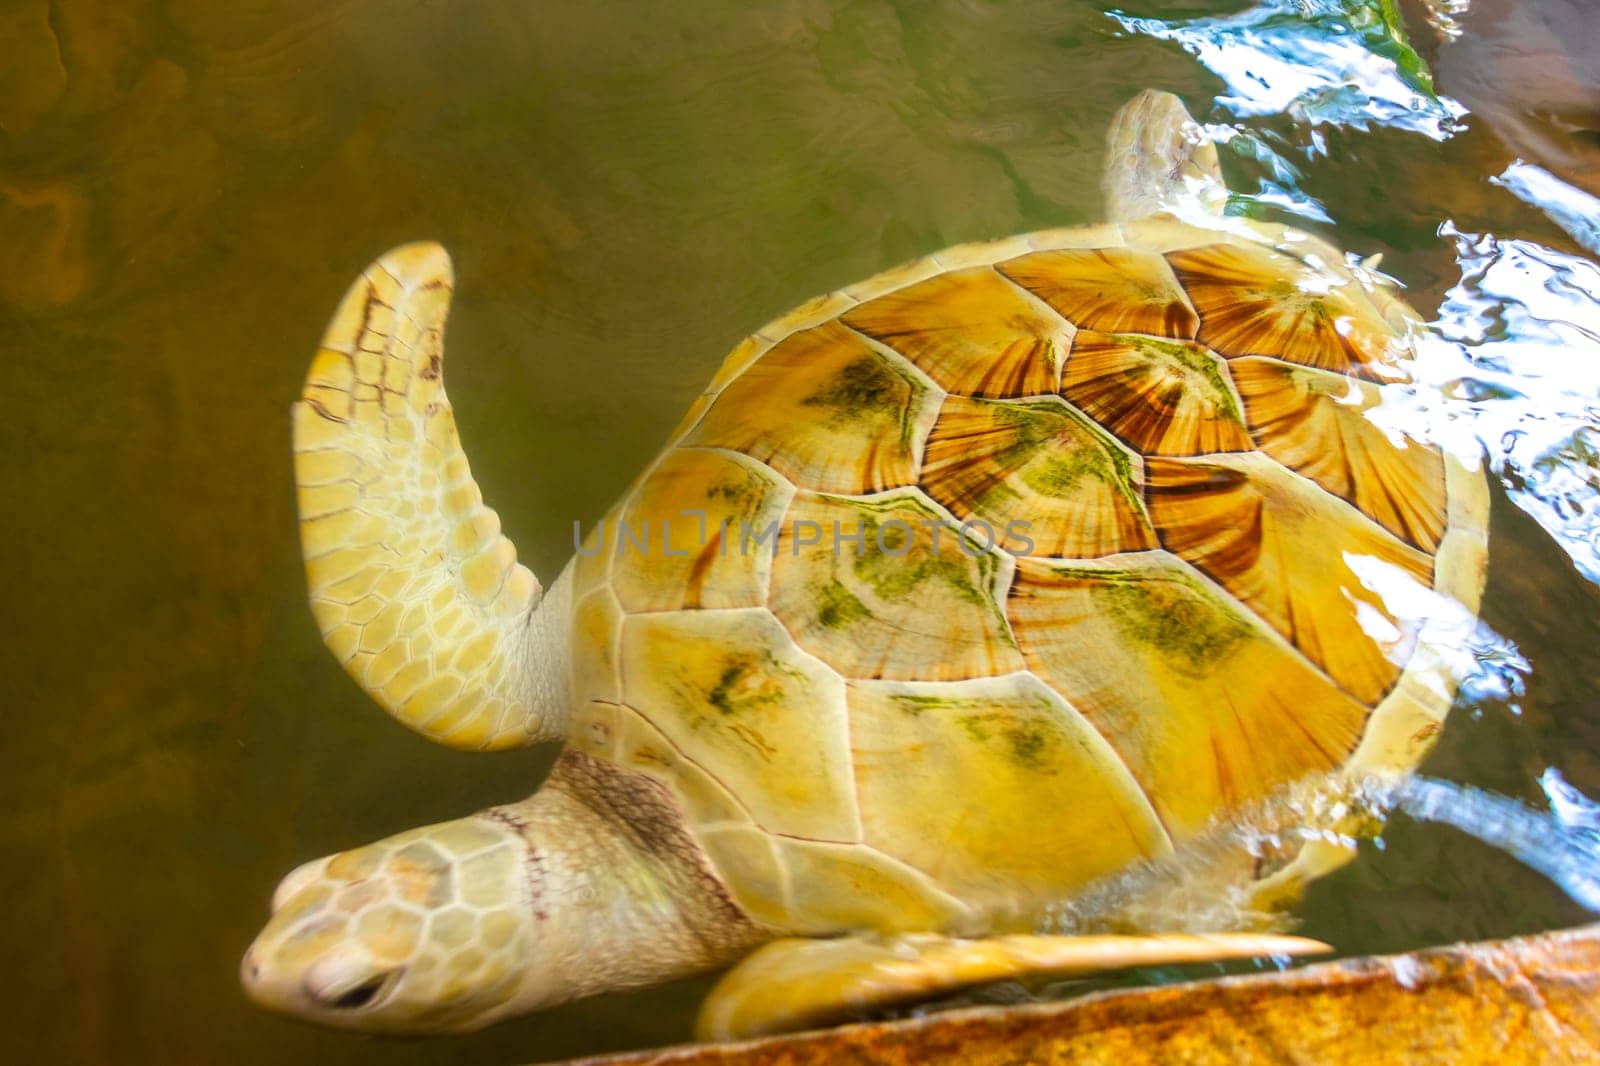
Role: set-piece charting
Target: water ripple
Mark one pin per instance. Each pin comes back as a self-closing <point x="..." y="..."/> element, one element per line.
<point x="1511" y="366"/>
<point x="1334" y="62"/>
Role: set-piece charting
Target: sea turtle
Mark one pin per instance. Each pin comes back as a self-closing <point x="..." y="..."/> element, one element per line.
<point x="959" y="592"/>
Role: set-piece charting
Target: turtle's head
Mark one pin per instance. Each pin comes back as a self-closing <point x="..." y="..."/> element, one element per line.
<point x="427" y="931"/>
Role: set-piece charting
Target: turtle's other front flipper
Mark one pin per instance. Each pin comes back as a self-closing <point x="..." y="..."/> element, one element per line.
<point x="795" y="984"/>
<point x="415" y="589"/>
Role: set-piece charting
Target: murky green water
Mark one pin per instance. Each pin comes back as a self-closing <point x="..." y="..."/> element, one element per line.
<point x="186" y="188"/>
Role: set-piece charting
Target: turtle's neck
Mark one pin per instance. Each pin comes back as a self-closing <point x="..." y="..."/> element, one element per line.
<point x="621" y="895"/>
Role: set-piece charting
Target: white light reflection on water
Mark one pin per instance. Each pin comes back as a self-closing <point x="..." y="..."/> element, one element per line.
<point x="1439" y="639"/>
<point x="1445" y="16"/>
<point x="1335" y="62"/>
<point x="1570" y="807"/>
<point x="1562" y="843"/>
<point x="1277" y="179"/>
<point x="1318" y="62"/>
<point x="1511" y="365"/>
<point x="1567" y="206"/>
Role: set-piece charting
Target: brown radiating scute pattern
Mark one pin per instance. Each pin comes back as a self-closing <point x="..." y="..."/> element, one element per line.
<point x="1076" y="488"/>
<point x="1112" y="290"/>
<point x="827" y="411"/>
<point x="1256" y="301"/>
<point x="971" y="331"/>
<point x="1163" y="397"/>
<point x="1204" y="705"/>
<point x="1294" y="555"/>
<point x="1315" y="423"/>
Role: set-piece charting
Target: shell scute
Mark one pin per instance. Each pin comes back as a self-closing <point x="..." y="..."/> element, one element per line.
<point x="1110" y="290"/>
<point x="1079" y="490"/>
<point x="1160" y="396"/>
<point x="680" y="540"/>
<point x="1019" y="758"/>
<point x="889" y="588"/>
<point x="826" y="410"/>
<point x="1317" y="424"/>
<point x="731" y="689"/>
<point x="1254" y="300"/>
<point x="1263" y="534"/>
<point x="972" y="332"/>
<point x="747" y="860"/>
<point x="597" y="626"/>
<point x="1207" y="708"/>
<point x="843" y="886"/>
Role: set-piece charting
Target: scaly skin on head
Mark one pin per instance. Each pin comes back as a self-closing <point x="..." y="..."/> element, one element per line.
<point x="590" y="885"/>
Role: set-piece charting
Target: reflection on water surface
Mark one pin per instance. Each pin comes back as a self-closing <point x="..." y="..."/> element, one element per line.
<point x="1323" y="62"/>
<point x="187" y="186"/>
<point x="1515" y="362"/>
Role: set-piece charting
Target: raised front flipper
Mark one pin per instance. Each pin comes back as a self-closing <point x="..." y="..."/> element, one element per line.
<point x="797" y="984"/>
<point x="416" y="592"/>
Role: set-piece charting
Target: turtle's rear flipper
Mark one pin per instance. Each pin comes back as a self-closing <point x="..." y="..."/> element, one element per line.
<point x="415" y="590"/>
<point x="1159" y="159"/>
<point x="796" y="984"/>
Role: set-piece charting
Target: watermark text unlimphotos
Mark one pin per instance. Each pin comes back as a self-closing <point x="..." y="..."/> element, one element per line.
<point x="893" y="538"/>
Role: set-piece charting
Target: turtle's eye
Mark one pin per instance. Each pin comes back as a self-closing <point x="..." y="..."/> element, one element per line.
<point x="358" y="996"/>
